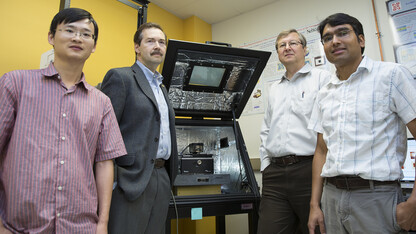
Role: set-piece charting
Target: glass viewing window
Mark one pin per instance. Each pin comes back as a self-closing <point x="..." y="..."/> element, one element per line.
<point x="206" y="76"/>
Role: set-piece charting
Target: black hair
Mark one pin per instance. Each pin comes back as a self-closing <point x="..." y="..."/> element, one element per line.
<point x="70" y="15"/>
<point x="339" y="19"/>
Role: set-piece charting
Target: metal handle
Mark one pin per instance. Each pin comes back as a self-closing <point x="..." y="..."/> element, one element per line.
<point x="218" y="43"/>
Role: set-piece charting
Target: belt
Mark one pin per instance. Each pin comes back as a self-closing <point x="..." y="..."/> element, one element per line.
<point x="159" y="163"/>
<point x="355" y="182"/>
<point x="290" y="159"/>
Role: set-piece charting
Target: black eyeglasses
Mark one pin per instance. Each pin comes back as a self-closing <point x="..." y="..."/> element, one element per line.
<point x="327" y="38"/>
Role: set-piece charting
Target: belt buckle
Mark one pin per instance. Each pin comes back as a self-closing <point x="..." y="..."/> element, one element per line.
<point x="351" y="183"/>
<point x="292" y="160"/>
<point x="347" y="183"/>
<point x="159" y="163"/>
<point x="341" y="182"/>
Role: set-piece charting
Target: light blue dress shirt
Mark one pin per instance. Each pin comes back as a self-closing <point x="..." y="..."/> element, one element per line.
<point x="155" y="80"/>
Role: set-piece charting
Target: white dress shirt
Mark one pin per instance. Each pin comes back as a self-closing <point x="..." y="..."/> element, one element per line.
<point x="284" y="130"/>
<point x="363" y="119"/>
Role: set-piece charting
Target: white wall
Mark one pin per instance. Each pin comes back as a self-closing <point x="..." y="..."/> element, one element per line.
<point x="284" y="14"/>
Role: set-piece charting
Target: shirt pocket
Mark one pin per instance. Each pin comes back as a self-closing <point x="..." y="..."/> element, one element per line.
<point x="302" y="102"/>
<point x="373" y="109"/>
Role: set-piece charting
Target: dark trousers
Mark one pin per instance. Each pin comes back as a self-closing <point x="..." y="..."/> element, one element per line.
<point x="147" y="214"/>
<point x="286" y="193"/>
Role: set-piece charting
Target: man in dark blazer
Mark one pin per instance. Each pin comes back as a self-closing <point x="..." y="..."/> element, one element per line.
<point x="144" y="176"/>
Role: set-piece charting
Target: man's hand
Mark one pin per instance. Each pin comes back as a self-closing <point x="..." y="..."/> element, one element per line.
<point x="406" y="211"/>
<point x="104" y="172"/>
<point x="406" y="214"/>
<point x="316" y="218"/>
<point x="101" y="228"/>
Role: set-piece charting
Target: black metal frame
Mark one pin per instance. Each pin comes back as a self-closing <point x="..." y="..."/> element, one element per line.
<point x="203" y="88"/>
<point x="221" y="204"/>
<point x="142" y="9"/>
<point x="170" y="62"/>
<point x="213" y="206"/>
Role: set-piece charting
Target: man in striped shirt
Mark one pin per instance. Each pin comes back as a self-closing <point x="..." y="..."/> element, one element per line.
<point x="58" y="136"/>
<point x="361" y="117"/>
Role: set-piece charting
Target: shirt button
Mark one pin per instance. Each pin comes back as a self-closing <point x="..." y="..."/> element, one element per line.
<point x="62" y="162"/>
<point x="64" y="115"/>
<point x="63" y="138"/>
<point x="58" y="215"/>
<point x="60" y="188"/>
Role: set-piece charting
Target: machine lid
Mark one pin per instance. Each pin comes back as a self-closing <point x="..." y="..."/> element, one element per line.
<point x="206" y="80"/>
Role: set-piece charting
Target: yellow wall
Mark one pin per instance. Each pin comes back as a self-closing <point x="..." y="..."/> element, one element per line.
<point x="24" y="32"/>
<point x="172" y="25"/>
<point x="25" y="26"/>
<point x="197" y="30"/>
<point x="117" y="23"/>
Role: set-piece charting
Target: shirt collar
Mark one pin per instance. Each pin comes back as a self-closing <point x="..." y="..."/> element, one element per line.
<point x="365" y="64"/>
<point x="51" y="72"/>
<point x="150" y="76"/>
<point x="304" y="70"/>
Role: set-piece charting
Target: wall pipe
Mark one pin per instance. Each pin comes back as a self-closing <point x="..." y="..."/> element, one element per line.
<point x="378" y="32"/>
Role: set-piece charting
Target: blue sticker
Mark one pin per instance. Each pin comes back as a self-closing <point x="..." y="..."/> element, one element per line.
<point x="196" y="213"/>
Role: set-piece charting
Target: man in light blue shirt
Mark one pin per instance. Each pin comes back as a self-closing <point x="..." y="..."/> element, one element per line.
<point x="155" y="81"/>
<point x="141" y="197"/>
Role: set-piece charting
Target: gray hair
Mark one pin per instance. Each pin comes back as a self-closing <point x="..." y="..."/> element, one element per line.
<point x="287" y="32"/>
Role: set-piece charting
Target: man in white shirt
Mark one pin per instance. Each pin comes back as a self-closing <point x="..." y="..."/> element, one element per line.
<point x="361" y="117"/>
<point x="287" y="145"/>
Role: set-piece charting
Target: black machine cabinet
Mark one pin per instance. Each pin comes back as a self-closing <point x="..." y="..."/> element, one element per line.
<point x="210" y="85"/>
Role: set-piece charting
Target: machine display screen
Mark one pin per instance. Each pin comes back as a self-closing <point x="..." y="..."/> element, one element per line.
<point x="207" y="76"/>
<point x="409" y="163"/>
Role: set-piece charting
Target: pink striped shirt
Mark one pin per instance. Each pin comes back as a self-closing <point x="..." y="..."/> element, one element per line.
<point x="50" y="138"/>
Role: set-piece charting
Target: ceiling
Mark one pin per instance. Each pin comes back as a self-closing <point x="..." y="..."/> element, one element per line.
<point x="211" y="11"/>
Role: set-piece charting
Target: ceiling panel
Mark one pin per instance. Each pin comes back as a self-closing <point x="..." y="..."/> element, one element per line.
<point x="211" y="11"/>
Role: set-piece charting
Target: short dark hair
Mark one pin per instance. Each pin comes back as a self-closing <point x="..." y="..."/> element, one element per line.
<point x="70" y="15"/>
<point x="339" y="19"/>
<point x="138" y="36"/>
